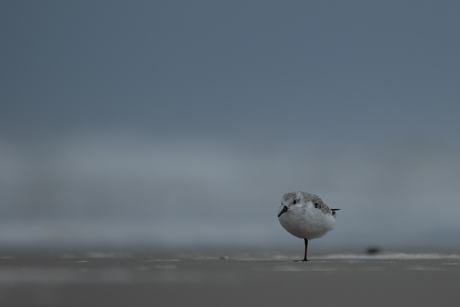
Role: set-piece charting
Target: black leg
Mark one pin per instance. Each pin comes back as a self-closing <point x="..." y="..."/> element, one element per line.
<point x="305" y="255"/>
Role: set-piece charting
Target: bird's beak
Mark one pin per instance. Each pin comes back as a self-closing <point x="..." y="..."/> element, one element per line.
<point x="282" y="211"/>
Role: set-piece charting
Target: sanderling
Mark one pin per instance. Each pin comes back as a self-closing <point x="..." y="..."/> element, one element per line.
<point x="305" y="216"/>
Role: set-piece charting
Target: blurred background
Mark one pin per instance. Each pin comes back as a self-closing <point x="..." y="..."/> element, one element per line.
<point x="170" y="125"/>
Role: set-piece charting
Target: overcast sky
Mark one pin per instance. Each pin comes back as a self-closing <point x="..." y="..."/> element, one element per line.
<point x="107" y="108"/>
<point x="309" y="69"/>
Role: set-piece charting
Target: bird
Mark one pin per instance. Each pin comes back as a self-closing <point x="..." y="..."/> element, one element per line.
<point x="305" y="216"/>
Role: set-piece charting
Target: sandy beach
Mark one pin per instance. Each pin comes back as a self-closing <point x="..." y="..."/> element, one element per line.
<point x="131" y="279"/>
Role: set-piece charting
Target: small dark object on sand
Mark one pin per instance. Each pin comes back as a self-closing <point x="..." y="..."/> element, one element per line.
<point x="373" y="251"/>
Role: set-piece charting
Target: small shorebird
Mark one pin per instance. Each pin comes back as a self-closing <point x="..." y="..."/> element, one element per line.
<point x="305" y="216"/>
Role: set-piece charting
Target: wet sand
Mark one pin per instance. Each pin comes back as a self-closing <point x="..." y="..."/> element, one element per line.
<point x="126" y="279"/>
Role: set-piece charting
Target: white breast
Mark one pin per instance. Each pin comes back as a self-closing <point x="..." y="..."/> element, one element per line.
<point x="305" y="223"/>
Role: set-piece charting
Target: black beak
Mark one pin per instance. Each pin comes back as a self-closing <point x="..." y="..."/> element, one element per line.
<point x="282" y="211"/>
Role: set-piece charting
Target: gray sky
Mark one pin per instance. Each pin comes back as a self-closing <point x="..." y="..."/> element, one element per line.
<point x="309" y="69"/>
<point x="175" y="123"/>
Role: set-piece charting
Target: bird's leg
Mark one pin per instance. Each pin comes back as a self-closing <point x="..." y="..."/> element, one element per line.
<point x="305" y="255"/>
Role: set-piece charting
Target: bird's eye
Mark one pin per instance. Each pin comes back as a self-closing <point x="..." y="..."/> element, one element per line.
<point x="316" y="206"/>
<point x="295" y="201"/>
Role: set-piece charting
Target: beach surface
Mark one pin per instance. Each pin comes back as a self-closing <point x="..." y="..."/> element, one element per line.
<point x="199" y="279"/>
